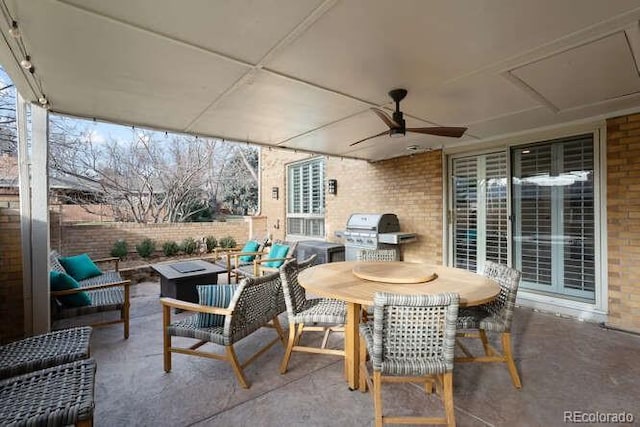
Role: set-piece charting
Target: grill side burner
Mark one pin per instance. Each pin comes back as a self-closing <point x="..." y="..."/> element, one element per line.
<point x="372" y="231"/>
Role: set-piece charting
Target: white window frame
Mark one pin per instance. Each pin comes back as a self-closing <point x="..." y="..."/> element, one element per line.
<point x="596" y="311"/>
<point x="306" y="217"/>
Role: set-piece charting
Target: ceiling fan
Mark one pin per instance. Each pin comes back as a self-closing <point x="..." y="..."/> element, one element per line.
<point x="397" y="126"/>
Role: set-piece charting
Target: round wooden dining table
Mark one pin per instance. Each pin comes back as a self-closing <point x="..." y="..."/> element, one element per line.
<point x="356" y="283"/>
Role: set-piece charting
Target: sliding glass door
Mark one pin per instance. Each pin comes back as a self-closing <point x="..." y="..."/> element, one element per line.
<point x="553" y="207"/>
<point x="548" y="233"/>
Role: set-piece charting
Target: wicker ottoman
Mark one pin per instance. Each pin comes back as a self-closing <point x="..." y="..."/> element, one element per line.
<point x="44" y="351"/>
<point x="57" y="396"/>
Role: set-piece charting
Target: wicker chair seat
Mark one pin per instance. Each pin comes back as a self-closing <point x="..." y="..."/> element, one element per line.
<point x="57" y="396"/>
<point x="321" y="310"/>
<point x="107" y="299"/>
<point x="44" y="351"/>
<point x="479" y="318"/>
<point x="189" y="328"/>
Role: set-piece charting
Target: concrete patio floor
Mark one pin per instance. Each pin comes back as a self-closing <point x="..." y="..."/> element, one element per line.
<point x="565" y="365"/>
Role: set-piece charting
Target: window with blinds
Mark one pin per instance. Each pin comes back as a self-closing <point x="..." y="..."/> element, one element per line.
<point x="554" y="226"/>
<point x="305" y="201"/>
<point x="479" y="210"/>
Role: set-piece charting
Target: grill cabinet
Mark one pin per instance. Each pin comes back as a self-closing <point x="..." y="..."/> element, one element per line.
<point x="326" y="251"/>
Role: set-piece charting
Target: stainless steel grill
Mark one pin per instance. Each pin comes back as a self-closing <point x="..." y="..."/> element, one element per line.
<point x="372" y="231"/>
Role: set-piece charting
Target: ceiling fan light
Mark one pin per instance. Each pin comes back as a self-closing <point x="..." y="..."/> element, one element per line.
<point x="396" y="133"/>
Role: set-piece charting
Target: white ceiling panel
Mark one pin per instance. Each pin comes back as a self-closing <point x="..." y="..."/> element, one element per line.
<point x="584" y="75"/>
<point x="242" y="29"/>
<point x="479" y="97"/>
<point x="375" y="46"/>
<point x="271" y="108"/>
<point x="120" y="73"/>
<point x="337" y="136"/>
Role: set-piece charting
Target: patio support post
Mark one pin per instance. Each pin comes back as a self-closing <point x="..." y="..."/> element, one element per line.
<point x="34" y="216"/>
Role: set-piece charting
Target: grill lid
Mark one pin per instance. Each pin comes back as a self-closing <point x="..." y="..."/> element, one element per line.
<point x="381" y="223"/>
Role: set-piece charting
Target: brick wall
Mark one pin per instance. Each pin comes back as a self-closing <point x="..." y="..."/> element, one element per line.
<point x="98" y="239"/>
<point x="623" y="221"/>
<point x="272" y="168"/>
<point x="11" y="293"/>
<point x="410" y="187"/>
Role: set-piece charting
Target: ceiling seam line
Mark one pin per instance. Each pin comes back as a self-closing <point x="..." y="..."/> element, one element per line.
<point x="520" y="84"/>
<point x="298" y="30"/>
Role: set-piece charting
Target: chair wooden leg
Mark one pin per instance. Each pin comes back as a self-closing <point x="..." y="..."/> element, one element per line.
<point x="377" y="397"/>
<point x="233" y="360"/>
<point x="125" y="311"/>
<point x="85" y="423"/>
<point x="287" y="353"/>
<point x="447" y="398"/>
<point x="485" y="342"/>
<point x="280" y="331"/>
<point x="166" y="342"/>
<point x="428" y="386"/>
<point x="508" y="355"/>
<point x="363" y="365"/>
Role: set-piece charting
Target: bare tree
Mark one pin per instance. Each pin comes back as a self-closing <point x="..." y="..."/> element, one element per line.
<point x="155" y="177"/>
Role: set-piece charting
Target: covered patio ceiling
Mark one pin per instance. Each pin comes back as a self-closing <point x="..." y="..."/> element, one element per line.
<point x="303" y="74"/>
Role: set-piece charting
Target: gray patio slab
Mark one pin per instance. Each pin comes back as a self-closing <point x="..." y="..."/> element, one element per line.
<point x="565" y="365"/>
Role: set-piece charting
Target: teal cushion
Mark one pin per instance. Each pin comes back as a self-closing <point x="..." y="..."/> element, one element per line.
<point x="62" y="282"/>
<point x="250" y="246"/>
<point x="215" y="296"/>
<point x="277" y="251"/>
<point x="80" y="267"/>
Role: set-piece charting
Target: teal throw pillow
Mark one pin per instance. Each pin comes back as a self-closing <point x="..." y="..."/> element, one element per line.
<point x="62" y="282"/>
<point x="250" y="246"/>
<point x="215" y="296"/>
<point x="277" y="251"/>
<point x="80" y="267"/>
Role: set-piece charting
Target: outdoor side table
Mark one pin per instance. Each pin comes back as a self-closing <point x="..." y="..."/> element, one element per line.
<point x="57" y="396"/>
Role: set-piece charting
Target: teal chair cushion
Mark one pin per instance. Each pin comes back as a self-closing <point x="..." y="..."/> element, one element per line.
<point x="215" y="296"/>
<point x="80" y="267"/>
<point x="277" y="251"/>
<point x="61" y="282"/>
<point x="250" y="246"/>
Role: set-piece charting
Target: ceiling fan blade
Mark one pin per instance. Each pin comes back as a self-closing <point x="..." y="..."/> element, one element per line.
<point x="385" y="118"/>
<point x="369" y="137"/>
<point x="453" y="132"/>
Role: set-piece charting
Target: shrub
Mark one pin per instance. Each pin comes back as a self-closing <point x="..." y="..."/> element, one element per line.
<point x="170" y="248"/>
<point x="119" y="249"/>
<point x="189" y="245"/>
<point x="227" y="242"/>
<point x="211" y="243"/>
<point x="146" y="248"/>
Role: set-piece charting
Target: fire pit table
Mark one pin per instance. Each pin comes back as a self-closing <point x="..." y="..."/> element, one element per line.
<point x="179" y="279"/>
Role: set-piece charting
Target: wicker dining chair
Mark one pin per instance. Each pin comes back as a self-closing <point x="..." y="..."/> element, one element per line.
<point x="410" y="339"/>
<point x="496" y="316"/>
<point x="256" y="303"/>
<point x="308" y="315"/>
<point x="44" y="351"/>
<point x="375" y="255"/>
<point x="371" y="255"/>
